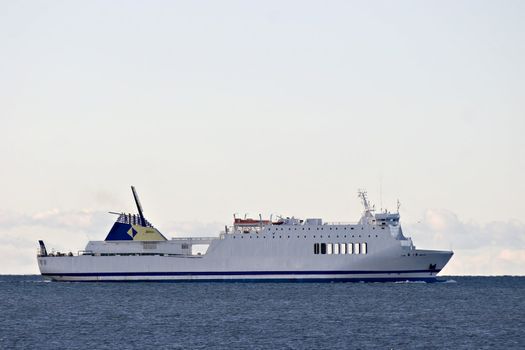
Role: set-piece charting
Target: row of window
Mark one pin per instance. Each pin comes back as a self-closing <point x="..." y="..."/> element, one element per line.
<point x="340" y="248"/>
<point x="317" y="228"/>
<point x="258" y="235"/>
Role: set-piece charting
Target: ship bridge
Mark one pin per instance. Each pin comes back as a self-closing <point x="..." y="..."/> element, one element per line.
<point x="387" y="218"/>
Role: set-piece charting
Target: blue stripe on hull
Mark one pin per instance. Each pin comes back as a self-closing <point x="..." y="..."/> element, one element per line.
<point x="237" y="273"/>
<point x="271" y="280"/>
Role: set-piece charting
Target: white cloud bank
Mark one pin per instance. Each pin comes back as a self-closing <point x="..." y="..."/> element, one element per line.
<point x="62" y="231"/>
<point x="496" y="248"/>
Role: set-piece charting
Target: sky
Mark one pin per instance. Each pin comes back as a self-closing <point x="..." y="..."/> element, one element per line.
<point x="277" y="107"/>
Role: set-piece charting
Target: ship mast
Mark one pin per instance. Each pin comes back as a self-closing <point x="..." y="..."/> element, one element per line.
<point x="367" y="214"/>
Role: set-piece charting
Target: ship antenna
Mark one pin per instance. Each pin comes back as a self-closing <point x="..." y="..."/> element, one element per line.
<point x="381" y="193"/>
<point x="139" y="206"/>
<point x="364" y="199"/>
<point x="398" y="205"/>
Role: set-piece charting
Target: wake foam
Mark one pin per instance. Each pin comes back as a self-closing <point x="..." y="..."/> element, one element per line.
<point x="410" y="282"/>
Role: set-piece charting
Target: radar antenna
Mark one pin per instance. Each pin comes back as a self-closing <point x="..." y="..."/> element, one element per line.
<point x="368" y="212"/>
<point x="139" y="206"/>
<point x="362" y="194"/>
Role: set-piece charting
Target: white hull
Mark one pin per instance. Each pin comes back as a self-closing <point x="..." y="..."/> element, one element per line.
<point x="208" y="268"/>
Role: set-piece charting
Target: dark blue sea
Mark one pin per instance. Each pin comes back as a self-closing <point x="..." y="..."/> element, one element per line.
<point x="460" y="313"/>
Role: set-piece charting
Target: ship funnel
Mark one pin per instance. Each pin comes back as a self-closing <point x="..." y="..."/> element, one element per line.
<point x="134" y="227"/>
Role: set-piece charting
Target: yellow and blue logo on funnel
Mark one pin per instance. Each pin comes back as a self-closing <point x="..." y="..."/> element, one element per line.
<point x="132" y="232"/>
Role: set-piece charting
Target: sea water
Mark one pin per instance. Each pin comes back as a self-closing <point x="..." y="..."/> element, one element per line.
<point x="460" y="313"/>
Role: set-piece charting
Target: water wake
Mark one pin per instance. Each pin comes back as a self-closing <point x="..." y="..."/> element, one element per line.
<point x="410" y="282"/>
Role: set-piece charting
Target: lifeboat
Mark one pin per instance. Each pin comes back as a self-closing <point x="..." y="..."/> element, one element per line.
<point x="250" y="222"/>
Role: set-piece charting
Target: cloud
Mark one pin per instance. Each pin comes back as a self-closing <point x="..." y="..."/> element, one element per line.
<point x="193" y="228"/>
<point x="495" y="248"/>
<point x="84" y="220"/>
<point x="514" y="256"/>
<point x="62" y="231"/>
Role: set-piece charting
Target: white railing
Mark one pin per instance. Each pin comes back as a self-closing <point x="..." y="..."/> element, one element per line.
<point x="341" y="223"/>
<point x="193" y="238"/>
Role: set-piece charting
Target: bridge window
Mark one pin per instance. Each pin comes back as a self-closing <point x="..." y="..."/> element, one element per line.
<point x="356" y="248"/>
<point x="350" y="249"/>
<point x="323" y="248"/>
<point x="343" y="248"/>
<point x="316" y="248"/>
<point x="364" y="248"/>
<point x="336" y="248"/>
<point x="329" y="248"/>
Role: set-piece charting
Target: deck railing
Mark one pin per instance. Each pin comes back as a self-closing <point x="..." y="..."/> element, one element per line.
<point x="193" y="238"/>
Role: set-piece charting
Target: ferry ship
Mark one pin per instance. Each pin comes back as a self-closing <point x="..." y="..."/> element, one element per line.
<point x="286" y="249"/>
